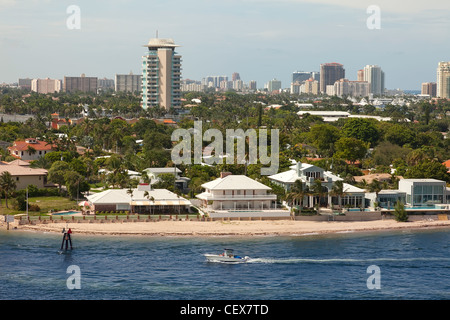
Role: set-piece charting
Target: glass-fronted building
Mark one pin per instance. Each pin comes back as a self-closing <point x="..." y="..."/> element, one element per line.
<point x="423" y="192"/>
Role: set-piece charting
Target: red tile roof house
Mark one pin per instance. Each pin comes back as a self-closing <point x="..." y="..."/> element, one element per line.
<point x="30" y="149"/>
<point x="447" y="164"/>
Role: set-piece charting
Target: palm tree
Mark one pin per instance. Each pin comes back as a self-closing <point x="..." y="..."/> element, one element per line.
<point x="375" y="186"/>
<point x="318" y="190"/>
<point x="7" y="184"/>
<point x="130" y="192"/>
<point x="338" y="191"/>
<point x="150" y="198"/>
<point x="297" y="194"/>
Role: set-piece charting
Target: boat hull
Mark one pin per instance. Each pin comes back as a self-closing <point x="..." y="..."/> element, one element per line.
<point x="221" y="258"/>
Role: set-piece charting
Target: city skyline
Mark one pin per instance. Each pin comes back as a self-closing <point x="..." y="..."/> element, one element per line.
<point x="258" y="39"/>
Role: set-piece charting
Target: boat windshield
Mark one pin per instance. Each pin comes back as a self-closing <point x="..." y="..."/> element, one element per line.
<point x="228" y="252"/>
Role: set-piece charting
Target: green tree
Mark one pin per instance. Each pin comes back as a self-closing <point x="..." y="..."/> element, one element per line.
<point x="57" y="171"/>
<point x="351" y="149"/>
<point x="74" y="183"/>
<point x="361" y="129"/>
<point x="296" y="194"/>
<point x="400" y="214"/>
<point x="428" y="169"/>
<point x="400" y="135"/>
<point x="323" y="137"/>
<point x="165" y="181"/>
<point x="338" y="191"/>
<point x="7" y="185"/>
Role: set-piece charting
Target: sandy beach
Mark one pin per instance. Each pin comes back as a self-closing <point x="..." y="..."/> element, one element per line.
<point x="234" y="228"/>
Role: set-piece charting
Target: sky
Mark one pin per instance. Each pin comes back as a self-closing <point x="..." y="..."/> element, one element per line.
<point x="259" y="39"/>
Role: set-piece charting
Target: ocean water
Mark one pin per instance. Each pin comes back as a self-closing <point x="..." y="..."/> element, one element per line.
<point x="411" y="265"/>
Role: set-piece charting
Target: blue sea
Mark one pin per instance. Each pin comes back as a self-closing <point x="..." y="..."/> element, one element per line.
<point x="406" y="265"/>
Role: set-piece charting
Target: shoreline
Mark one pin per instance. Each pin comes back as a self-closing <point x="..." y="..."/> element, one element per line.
<point x="233" y="228"/>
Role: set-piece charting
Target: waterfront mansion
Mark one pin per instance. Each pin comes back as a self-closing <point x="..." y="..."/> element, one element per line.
<point x="238" y="195"/>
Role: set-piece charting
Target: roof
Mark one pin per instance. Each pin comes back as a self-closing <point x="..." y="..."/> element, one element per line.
<point x="375" y="176"/>
<point x="421" y="180"/>
<point x="38" y="145"/>
<point x="17" y="162"/>
<point x="289" y="176"/>
<point x="163" y="170"/>
<point x="21" y="170"/>
<point x="156" y="42"/>
<point x="325" y="113"/>
<point x="348" y="188"/>
<point x="235" y="182"/>
<point x="121" y="196"/>
<point x="446" y="163"/>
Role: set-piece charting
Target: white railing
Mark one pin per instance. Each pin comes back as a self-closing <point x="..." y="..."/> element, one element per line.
<point x="240" y="196"/>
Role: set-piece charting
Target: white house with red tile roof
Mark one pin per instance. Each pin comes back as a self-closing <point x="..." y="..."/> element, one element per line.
<point x="30" y="149"/>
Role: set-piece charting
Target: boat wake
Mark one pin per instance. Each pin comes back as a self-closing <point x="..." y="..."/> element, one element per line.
<point x="339" y="260"/>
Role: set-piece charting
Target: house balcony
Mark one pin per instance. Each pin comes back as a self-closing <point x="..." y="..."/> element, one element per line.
<point x="224" y="197"/>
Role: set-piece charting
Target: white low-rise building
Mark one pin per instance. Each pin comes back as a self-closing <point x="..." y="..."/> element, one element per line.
<point x="239" y="196"/>
<point x="423" y="192"/>
<point x="143" y="200"/>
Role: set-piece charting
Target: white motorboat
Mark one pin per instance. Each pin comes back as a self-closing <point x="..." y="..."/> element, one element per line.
<point x="226" y="256"/>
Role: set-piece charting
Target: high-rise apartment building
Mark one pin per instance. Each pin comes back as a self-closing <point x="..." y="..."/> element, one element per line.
<point x="82" y="83"/>
<point x="443" y="80"/>
<point x="252" y="85"/>
<point x="161" y="75"/>
<point x="351" y="88"/>
<point x="311" y="86"/>
<point x="329" y="74"/>
<point x="274" y="85"/>
<point x="25" y="83"/>
<point x="375" y="77"/>
<point x="128" y="82"/>
<point x="235" y="76"/>
<point x="105" y="84"/>
<point x="360" y="76"/>
<point x="46" y="85"/>
<point x="429" y="88"/>
<point x="214" y="81"/>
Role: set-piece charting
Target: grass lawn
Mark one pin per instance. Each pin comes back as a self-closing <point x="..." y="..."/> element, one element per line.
<point x="45" y="204"/>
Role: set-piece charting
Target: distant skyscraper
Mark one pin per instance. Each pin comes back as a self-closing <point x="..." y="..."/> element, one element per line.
<point x="443" y="80"/>
<point x="252" y="85"/>
<point x="360" y="76"/>
<point x="82" y="84"/>
<point x="274" y="85"/>
<point x="235" y="76"/>
<point x="375" y="77"/>
<point x="128" y="82"/>
<point x="105" y="84"/>
<point x="351" y="88"/>
<point x="311" y="86"/>
<point x="46" y="85"/>
<point x="25" y="83"/>
<point x="429" y="88"/>
<point x="161" y="75"/>
<point x="300" y="76"/>
<point x="329" y="74"/>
